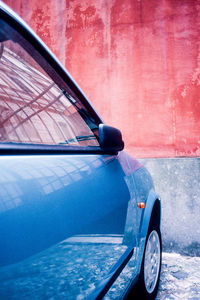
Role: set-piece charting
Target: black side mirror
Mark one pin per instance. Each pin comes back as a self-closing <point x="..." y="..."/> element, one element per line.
<point x="110" y="138"/>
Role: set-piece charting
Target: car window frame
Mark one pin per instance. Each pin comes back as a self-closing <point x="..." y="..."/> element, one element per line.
<point x="21" y="148"/>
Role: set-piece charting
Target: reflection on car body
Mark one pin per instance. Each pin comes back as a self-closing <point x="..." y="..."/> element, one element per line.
<point x="70" y="224"/>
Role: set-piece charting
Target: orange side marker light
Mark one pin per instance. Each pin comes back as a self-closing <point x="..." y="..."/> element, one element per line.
<point x="141" y="204"/>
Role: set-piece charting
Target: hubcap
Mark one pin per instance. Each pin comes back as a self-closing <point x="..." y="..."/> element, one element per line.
<point x="152" y="261"/>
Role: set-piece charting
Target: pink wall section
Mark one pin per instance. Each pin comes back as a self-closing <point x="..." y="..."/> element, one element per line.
<point x="137" y="60"/>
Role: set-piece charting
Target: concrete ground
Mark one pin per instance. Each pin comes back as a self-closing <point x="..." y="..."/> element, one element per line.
<point x="180" y="277"/>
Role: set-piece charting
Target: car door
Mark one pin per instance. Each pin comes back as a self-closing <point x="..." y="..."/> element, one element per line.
<point x="64" y="202"/>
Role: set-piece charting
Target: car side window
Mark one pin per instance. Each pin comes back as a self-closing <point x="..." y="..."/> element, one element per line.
<point x="34" y="108"/>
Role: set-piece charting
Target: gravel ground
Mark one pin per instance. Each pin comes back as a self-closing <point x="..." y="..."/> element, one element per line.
<point x="180" y="277"/>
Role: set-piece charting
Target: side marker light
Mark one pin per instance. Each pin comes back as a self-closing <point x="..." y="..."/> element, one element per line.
<point x="141" y="204"/>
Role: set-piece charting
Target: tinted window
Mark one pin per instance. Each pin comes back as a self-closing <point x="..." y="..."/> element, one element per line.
<point x="34" y="108"/>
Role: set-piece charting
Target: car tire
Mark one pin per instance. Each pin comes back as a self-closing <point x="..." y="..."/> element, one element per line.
<point x="146" y="287"/>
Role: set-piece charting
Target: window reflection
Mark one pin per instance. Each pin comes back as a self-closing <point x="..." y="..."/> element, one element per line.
<point x="33" y="108"/>
<point x="10" y="196"/>
<point x="50" y="177"/>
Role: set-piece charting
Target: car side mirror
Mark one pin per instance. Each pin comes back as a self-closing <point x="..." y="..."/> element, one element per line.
<point x="110" y="138"/>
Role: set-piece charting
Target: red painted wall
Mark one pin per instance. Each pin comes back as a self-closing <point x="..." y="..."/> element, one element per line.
<point x="137" y="60"/>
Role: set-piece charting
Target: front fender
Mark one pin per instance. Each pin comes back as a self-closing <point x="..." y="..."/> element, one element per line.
<point x="152" y="197"/>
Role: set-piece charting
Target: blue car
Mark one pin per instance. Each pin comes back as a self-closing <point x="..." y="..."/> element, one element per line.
<point x="79" y="218"/>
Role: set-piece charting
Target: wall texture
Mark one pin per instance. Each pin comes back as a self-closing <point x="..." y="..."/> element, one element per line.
<point x="137" y="60"/>
<point x="177" y="181"/>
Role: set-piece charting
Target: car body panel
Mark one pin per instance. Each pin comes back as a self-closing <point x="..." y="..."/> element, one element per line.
<point x="64" y="188"/>
<point x="51" y="203"/>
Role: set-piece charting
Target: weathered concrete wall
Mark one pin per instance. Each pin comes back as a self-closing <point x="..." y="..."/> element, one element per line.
<point x="137" y="60"/>
<point x="177" y="182"/>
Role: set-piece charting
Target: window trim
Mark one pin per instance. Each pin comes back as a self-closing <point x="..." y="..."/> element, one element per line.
<point x="30" y="149"/>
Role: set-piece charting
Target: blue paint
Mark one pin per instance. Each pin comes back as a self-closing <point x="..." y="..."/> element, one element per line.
<point x="66" y="196"/>
<point x="77" y="202"/>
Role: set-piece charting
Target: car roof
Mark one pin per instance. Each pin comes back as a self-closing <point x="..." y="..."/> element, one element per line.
<point x="19" y="24"/>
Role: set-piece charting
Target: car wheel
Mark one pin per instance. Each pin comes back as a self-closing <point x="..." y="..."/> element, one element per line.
<point x="147" y="285"/>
